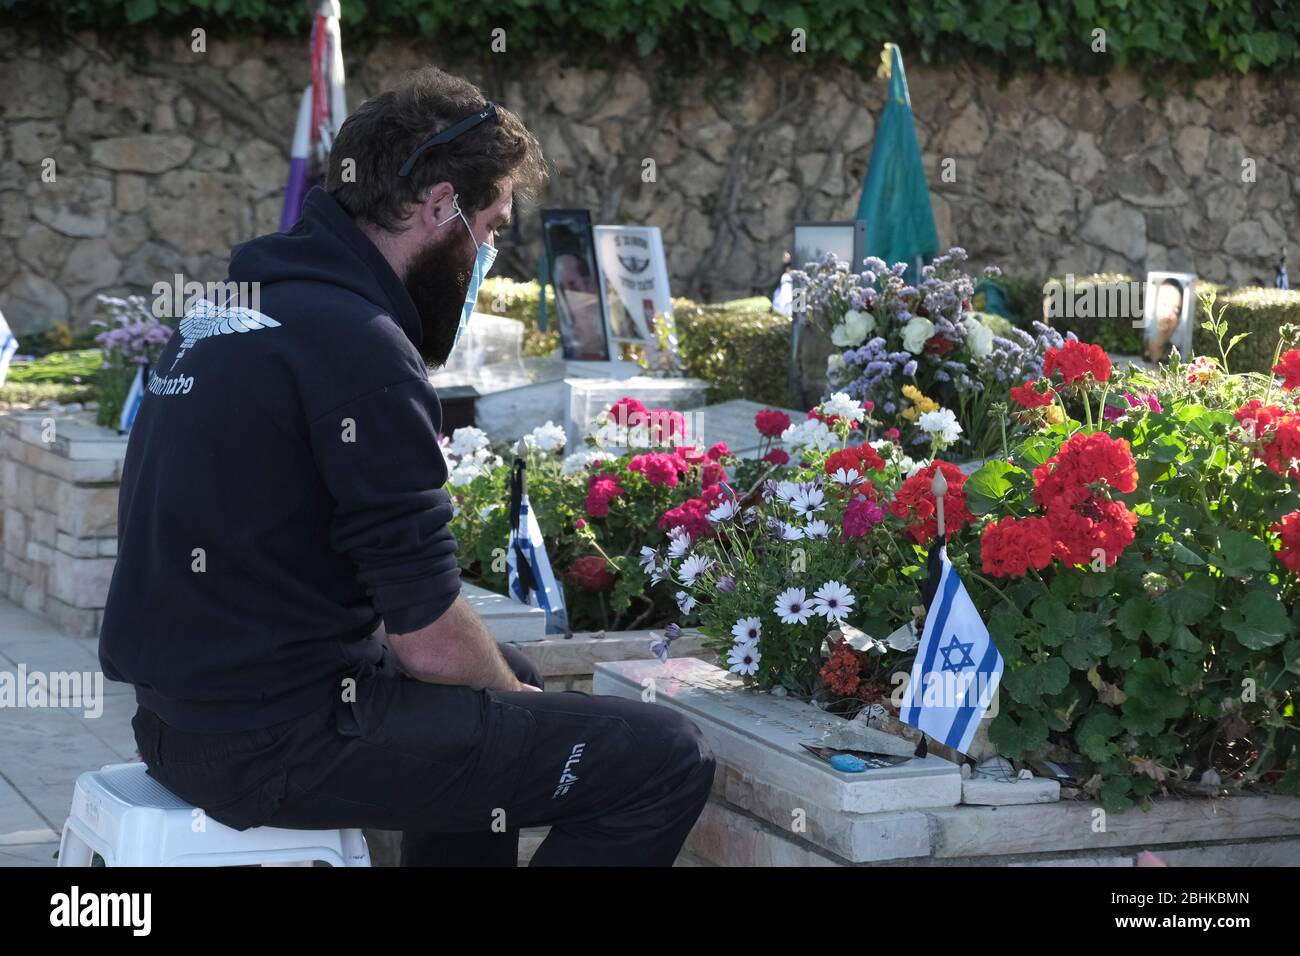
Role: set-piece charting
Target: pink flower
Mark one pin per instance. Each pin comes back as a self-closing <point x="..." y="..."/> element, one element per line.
<point x="659" y="468"/>
<point x="891" y="434"/>
<point x="777" y="456"/>
<point x="719" y="451"/>
<point x="713" y="473"/>
<point x="861" y="516"/>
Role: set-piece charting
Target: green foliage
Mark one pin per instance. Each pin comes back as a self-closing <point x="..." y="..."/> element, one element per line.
<point x="742" y="348"/>
<point x="57" y="368"/>
<point x="1183" y="656"/>
<point x="15" y="393"/>
<point x="1197" y="37"/>
<point x="1259" y="312"/>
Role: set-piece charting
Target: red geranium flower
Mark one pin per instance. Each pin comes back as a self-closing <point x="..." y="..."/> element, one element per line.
<point x="777" y="456"/>
<point x="1077" y="361"/>
<point x="1034" y="394"/>
<point x="591" y="573"/>
<point x="1081" y="462"/>
<point x="1289" y="369"/>
<point x="1281" y="448"/>
<point x="719" y="451"/>
<point x="1011" y="546"/>
<point x="1256" y="418"/>
<point x="1289" y="530"/>
<point x="914" y="502"/>
<point x="771" y="422"/>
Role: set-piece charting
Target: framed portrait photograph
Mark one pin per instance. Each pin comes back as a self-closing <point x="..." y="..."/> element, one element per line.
<point x="635" y="277"/>
<point x="1169" y="309"/>
<point x="812" y="240"/>
<point x="580" y="307"/>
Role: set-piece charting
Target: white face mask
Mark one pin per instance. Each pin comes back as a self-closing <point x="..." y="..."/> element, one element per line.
<point x="482" y="263"/>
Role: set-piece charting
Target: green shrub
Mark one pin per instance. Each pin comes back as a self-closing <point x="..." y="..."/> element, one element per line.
<point x="22" y="393"/>
<point x="1258" y="311"/>
<point x="1156" y="35"/>
<point x="57" y="368"/>
<point x="741" y="348"/>
<point x="518" y="300"/>
<point x="1024" y="295"/>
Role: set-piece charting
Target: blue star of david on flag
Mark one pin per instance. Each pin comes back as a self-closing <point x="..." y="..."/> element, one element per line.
<point x="955" y="677"/>
<point x="955" y="647"/>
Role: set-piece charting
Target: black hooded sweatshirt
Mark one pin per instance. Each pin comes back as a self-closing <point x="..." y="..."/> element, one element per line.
<point x="282" y="489"/>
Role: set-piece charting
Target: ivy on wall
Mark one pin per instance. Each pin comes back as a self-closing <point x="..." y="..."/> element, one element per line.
<point x="1196" y="37"/>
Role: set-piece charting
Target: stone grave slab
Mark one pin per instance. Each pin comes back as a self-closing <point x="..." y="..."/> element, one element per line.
<point x="761" y="736"/>
<point x="507" y="619"/>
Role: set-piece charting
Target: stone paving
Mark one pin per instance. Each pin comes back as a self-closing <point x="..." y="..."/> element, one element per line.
<point x="43" y="750"/>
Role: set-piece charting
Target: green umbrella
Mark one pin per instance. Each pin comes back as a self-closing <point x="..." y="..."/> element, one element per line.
<point x="896" y="198"/>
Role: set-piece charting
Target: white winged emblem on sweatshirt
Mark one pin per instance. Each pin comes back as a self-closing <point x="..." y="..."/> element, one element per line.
<point x="206" y="318"/>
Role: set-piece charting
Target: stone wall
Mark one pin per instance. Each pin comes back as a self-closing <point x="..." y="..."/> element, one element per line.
<point x="164" y="158"/>
<point x="59" y="480"/>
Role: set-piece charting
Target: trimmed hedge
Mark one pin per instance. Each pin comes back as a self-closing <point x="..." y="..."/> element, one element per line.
<point x="742" y="348"/>
<point x="1196" y="36"/>
<point x="1259" y="311"/>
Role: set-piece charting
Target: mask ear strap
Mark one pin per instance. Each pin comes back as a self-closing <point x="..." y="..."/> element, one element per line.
<point x="455" y="205"/>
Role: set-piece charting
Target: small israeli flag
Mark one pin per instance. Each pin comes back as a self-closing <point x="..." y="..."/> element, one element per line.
<point x="529" y="577"/>
<point x="8" y="347"/>
<point x="957" y="669"/>
<point x="134" y="396"/>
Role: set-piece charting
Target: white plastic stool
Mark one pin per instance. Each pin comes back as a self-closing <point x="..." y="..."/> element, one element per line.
<point x="130" y="819"/>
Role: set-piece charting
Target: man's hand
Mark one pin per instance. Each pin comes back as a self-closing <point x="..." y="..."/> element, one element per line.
<point x="522" y="686"/>
<point x="455" y="649"/>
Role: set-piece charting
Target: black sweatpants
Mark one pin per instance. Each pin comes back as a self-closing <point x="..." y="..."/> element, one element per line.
<point x="459" y="771"/>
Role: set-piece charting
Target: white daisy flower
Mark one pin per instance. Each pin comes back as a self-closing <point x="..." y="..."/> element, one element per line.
<point x="833" y="601"/>
<point x="791" y="533"/>
<point x="725" y="511"/>
<point x="744" y="659"/>
<point x="747" y="630"/>
<point x="846" y="476"/>
<point x="649" y="558"/>
<point x="467" y="440"/>
<point x="808" y="500"/>
<point x="816" y="530"/>
<point x="679" y="543"/>
<point x="792" y="606"/>
<point x="685" y="602"/>
<point x="842" y="406"/>
<point x="661" y="572"/>
<point x="692" y="568"/>
<point x="785" y="490"/>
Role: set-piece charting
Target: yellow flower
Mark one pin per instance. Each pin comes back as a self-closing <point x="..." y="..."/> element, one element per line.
<point x="912" y="393"/>
<point x="1054" y="414"/>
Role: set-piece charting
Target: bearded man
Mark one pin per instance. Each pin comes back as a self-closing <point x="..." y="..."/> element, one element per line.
<point x="286" y="599"/>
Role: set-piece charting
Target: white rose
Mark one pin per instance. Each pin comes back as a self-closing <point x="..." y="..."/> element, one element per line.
<point x="916" y="333"/>
<point x="979" y="338"/>
<point x="853" y="331"/>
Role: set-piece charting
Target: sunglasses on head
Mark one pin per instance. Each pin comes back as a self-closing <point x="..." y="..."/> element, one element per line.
<point x="446" y="136"/>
